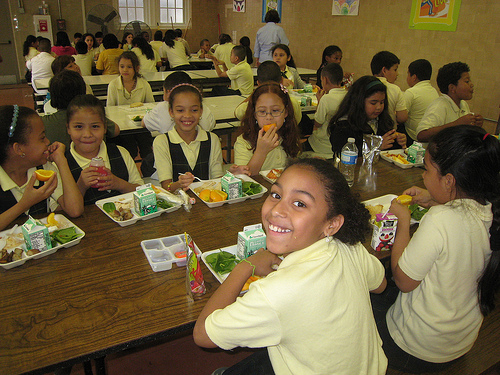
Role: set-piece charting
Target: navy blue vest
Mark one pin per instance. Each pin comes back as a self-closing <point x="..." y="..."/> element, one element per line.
<point x="181" y="165"/>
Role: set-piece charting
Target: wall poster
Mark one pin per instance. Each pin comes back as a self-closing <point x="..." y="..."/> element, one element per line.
<point x="239" y="6"/>
<point x="345" y="7"/>
<point x="434" y="14"/>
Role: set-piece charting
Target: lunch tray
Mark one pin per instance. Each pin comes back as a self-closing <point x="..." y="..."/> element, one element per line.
<point x="264" y="174"/>
<point x="385" y="200"/>
<point x="161" y="252"/>
<point x="17" y="230"/>
<point x="383" y="155"/>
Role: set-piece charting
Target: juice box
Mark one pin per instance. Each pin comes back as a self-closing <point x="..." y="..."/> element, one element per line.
<point x="145" y="200"/>
<point x="231" y="185"/>
<point x="250" y="240"/>
<point x="416" y="153"/>
<point x="36" y="235"/>
<point x="384" y="231"/>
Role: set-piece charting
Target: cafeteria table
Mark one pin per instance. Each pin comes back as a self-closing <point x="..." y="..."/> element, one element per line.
<point x="101" y="295"/>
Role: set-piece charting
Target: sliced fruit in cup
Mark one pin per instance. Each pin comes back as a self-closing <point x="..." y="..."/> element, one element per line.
<point x="43" y="174"/>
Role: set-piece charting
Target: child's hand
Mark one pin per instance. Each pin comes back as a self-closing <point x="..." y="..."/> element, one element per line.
<point x="267" y="141"/>
<point x="264" y="261"/>
<point x="287" y="82"/>
<point x="56" y="152"/>
<point x="185" y="180"/>
<point x="401" y="139"/>
<point x="239" y="169"/>
<point x="32" y="196"/>
<point x="109" y="182"/>
<point x="468" y="119"/>
<point x="402" y="212"/>
<point x="420" y="196"/>
<point x="478" y="120"/>
<point x="89" y="177"/>
<point x="319" y="94"/>
<point x="388" y="139"/>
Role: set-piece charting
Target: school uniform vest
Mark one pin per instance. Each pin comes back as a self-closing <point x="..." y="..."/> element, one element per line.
<point x="181" y="165"/>
<point x="7" y="200"/>
<point x="118" y="167"/>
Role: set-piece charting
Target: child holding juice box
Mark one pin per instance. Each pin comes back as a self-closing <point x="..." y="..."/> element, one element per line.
<point x="25" y="156"/>
<point x="313" y="313"/>
<point x="86" y="127"/>
<point x="448" y="272"/>
<point x="187" y="150"/>
<point x="267" y="148"/>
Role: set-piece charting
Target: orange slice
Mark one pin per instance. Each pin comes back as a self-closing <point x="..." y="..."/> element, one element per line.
<point x="217" y="195"/>
<point x="43" y="174"/>
<point x="205" y="195"/>
<point x="404" y="199"/>
<point x="250" y="280"/>
<point x="267" y="127"/>
<point x="51" y="221"/>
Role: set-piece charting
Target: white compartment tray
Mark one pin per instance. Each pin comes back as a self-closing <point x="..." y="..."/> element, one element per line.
<point x="161" y="252"/>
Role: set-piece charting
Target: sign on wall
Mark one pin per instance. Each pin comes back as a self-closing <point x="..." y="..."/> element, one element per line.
<point x="345" y="7"/>
<point x="268" y="5"/>
<point x="434" y="14"/>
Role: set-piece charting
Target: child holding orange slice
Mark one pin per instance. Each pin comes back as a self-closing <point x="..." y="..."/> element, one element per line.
<point x="269" y="131"/>
<point x="24" y="149"/>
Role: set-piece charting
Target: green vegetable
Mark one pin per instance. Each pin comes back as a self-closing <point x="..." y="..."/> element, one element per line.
<point x="137" y="118"/>
<point x="162" y="203"/>
<point x="222" y="262"/>
<point x="251" y="188"/>
<point x="65" y="235"/>
<point x="417" y="212"/>
<point x="109" y="207"/>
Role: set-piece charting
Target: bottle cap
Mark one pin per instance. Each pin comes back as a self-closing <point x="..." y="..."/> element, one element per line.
<point x="351" y="140"/>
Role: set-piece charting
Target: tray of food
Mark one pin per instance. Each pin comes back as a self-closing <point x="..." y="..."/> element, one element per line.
<point x="399" y="158"/>
<point x="136" y="119"/>
<point x="165" y="251"/>
<point x="381" y="204"/>
<point x="211" y="193"/>
<point x="271" y="175"/>
<point x="121" y="210"/>
<point x="13" y="249"/>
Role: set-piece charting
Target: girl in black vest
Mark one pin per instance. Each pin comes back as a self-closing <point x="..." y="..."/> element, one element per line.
<point x="86" y="127"/>
<point x="24" y="149"/>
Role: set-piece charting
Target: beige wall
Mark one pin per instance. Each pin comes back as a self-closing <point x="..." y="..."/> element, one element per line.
<point x="310" y="27"/>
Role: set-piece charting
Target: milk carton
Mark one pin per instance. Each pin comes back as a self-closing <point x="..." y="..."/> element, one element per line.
<point x="416" y="153"/>
<point x="250" y="240"/>
<point x="384" y="231"/>
<point x="36" y="235"/>
<point x="231" y="185"/>
<point x="145" y="200"/>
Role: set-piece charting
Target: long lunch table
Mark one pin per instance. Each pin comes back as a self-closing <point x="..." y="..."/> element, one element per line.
<point x="101" y="296"/>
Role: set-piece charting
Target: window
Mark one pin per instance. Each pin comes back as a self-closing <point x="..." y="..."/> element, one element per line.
<point x="163" y="13"/>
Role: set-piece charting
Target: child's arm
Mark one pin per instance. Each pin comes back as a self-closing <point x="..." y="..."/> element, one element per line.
<point x="468" y="119"/>
<point x="220" y="72"/>
<point x="112" y="182"/>
<point x="183" y="182"/>
<point x="261" y="263"/>
<point x="266" y="142"/>
<point x="72" y="200"/>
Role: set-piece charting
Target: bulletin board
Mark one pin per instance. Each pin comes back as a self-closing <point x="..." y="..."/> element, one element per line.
<point x="434" y="14"/>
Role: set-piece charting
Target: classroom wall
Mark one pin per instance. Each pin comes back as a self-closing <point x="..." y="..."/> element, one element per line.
<point x="383" y="25"/>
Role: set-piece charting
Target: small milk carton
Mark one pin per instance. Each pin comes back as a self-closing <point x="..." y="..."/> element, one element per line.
<point x="36" y="235"/>
<point x="416" y="153"/>
<point x="145" y="200"/>
<point x="231" y="185"/>
<point x="250" y="240"/>
<point x="384" y="231"/>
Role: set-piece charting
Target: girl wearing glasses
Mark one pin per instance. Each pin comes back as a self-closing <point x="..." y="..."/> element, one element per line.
<point x="264" y="147"/>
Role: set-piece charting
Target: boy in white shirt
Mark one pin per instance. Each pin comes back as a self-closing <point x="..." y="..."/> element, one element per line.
<point x="384" y="66"/>
<point x="240" y="74"/>
<point x="40" y="65"/>
<point x="418" y="96"/>
<point x="84" y="59"/>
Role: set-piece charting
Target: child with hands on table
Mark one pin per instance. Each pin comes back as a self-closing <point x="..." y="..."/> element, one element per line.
<point x="312" y="311"/>
<point x="25" y="157"/>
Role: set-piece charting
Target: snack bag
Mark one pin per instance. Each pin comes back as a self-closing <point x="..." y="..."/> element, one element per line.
<point x="195" y="284"/>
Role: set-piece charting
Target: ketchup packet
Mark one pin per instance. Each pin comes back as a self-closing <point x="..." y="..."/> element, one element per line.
<point x="195" y="284"/>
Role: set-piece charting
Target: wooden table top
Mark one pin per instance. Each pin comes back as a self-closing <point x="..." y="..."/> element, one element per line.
<point x="101" y="296"/>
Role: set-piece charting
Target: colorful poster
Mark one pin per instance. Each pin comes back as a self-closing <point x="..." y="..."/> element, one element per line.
<point x="239" y="5"/>
<point x="345" y="7"/>
<point x="268" y="5"/>
<point x="434" y="14"/>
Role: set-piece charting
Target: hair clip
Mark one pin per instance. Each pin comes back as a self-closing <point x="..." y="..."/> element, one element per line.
<point x="184" y="84"/>
<point x="487" y="134"/>
<point x="283" y="88"/>
<point x="14" y="121"/>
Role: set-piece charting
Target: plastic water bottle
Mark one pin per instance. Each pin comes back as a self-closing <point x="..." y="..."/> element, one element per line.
<point x="348" y="159"/>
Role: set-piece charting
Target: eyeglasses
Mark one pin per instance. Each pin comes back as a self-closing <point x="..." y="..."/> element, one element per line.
<point x="274" y="112"/>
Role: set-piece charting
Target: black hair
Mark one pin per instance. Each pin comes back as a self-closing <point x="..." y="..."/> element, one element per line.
<point x="158" y="35"/>
<point x="178" y="33"/>
<point x="170" y="38"/>
<point x="86" y="101"/>
<point x="176" y="78"/>
<point x="21" y="130"/>
<point x="81" y="47"/>
<point x="340" y="200"/>
<point x="30" y="39"/>
<point x="94" y="43"/>
<point x="450" y="74"/>
<point x="144" y="46"/>
<point x="268" y="71"/>
<point x="44" y="45"/>
<point x="182" y="89"/>
<point x="77" y="35"/>
<point x="239" y="52"/>
<point x="422" y="68"/>
<point x="62" y="39"/>
<point x="476" y="169"/>
<point x="99" y="34"/>
<point x="272" y="15"/>
<point x="110" y="41"/>
<point x="333" y="72"/>
<point x="383" y="59"/>
<point x="327" y="52"/>
<point x="64" y="86"/>
<point x="145" y="34"/>
<point x="61" y="62"/>
<point x="203" y="41"/>
<point x="125" y="35"/>
<point x="129" y="55"/>
<point x="224" y="38"/>
<point x="245" y="42"/>
<point x="285" y="48"/>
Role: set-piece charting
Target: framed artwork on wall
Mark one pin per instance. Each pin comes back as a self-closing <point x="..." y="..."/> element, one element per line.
<point x="345" y="7"/>
<point x="268" y="5"/>
<point x="434" y="14"/>
<point x="239" y="6"/>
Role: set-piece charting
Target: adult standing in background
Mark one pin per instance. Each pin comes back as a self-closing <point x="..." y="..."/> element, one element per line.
<point x="268" y="36"/>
